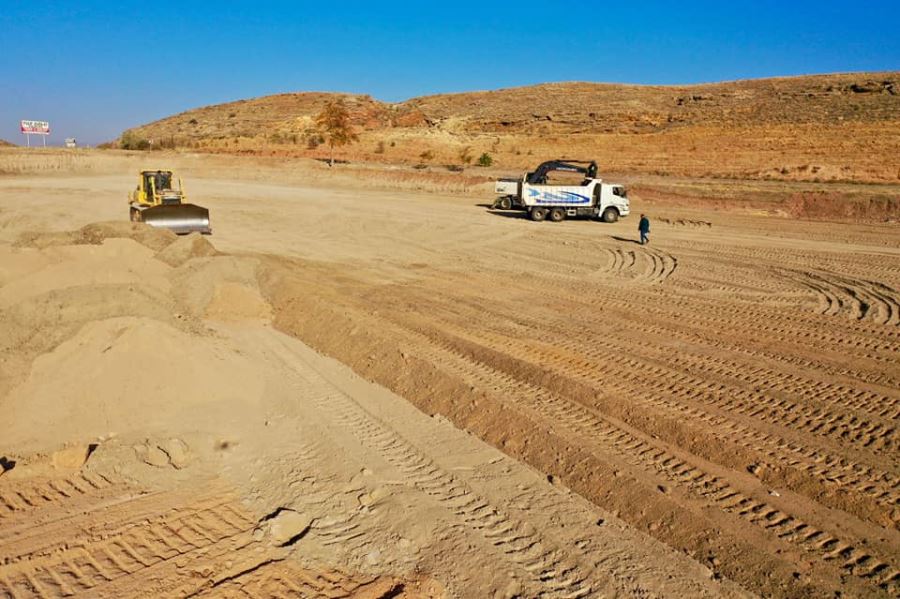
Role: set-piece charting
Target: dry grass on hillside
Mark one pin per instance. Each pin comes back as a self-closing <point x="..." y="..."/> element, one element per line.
<point x="818" y="128"/>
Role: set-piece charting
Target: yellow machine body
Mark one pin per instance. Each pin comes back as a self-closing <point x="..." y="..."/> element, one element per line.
<point x="159" y="200"/>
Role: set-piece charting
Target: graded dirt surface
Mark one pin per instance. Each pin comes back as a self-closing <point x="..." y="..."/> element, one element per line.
<point x="364" y="393"/>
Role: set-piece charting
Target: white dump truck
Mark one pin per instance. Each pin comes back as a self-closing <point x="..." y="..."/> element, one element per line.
<point x="543" y="199"/>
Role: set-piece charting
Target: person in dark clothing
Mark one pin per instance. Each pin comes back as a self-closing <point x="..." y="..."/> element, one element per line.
<point x="644" y="228"/>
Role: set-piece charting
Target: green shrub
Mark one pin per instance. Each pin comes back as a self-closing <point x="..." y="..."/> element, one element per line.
<point x="485" y="160"/>
<point x="131" y="141"/>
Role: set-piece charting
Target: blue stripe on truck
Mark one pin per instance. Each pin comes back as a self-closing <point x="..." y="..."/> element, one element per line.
<point x="562" y="197"/>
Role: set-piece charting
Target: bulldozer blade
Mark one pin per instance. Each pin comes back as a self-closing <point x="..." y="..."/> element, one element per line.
<point x="179" y="218"/>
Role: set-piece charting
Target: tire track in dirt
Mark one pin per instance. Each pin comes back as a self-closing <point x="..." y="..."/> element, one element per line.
<point x="832" y="470"/>
<point x="857" y="265"/>
<point x="621" y="261"/>
<point x="715" y="378"/>
<point x="849" y="394"/>
<point x="654" y="459"/>
<point x="641" y="265"/>
<point x="659" y="394"/>
<point x="876" y="404"/>
<point x="857" y="298"/>
<point x="122" y="544"/>
<point x="712" y="381"/>
<point x="346" y="528"/>
<point x="29" y="495"/>
<point x="869" y="300"/>
<point x="711" y="313"/>
<point x="675" y="326"/>
<point x="107" y="541"/>
<point x="748" y="319"/>
<point x="582" y="305"/>
<point x="662" y="265"/>
<point x="548" y="568"/>
<point x="283" y="579"/>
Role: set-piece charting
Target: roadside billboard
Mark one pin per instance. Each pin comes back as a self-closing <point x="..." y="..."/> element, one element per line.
<point x="35" y="127"/>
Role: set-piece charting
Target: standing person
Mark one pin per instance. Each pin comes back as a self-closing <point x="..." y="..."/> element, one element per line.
<point x="644" y="228"/>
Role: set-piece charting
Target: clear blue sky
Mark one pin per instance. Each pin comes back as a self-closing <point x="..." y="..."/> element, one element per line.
<point x="95" y="68"/>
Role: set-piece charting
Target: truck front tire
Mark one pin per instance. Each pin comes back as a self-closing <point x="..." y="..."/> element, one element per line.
<point x="610" y="215"/>
<point x="538" y="214"/>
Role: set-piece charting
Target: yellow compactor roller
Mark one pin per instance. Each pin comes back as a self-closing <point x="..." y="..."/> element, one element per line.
<point x="159" y="202"/>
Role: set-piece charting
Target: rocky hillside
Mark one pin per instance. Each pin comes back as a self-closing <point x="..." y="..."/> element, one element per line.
<point x="604" y="108"/>
<point x="829" y="126"/>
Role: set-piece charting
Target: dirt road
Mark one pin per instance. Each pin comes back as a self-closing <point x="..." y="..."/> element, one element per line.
<point x="730" y="391"/>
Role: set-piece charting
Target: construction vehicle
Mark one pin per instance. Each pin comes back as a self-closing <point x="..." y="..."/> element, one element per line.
<point x="542" y="199"/>
<point x="159" y="202"/>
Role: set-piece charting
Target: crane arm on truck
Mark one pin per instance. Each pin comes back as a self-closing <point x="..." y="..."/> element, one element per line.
<point x="539" y="176"/>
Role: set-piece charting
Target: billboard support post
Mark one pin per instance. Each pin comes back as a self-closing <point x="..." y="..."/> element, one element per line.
<point x="41" y="128"/>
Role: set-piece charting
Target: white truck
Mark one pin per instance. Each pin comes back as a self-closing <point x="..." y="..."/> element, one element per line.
<point x="542" y="200"/>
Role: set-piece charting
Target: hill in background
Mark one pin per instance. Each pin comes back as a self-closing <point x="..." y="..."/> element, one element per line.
<point x="827" y="127"/>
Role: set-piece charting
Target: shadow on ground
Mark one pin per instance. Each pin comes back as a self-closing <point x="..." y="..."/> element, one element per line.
<point x="626" y="239"/>
<point x="505" y="213"/>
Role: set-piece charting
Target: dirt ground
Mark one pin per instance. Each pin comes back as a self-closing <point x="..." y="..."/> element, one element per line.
<point x="363" y="393"/>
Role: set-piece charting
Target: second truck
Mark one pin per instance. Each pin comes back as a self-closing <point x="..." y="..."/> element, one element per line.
<point x="546" y="200"/>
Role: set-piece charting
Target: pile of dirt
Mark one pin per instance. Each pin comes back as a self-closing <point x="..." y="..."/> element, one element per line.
<point x="96" y="233"/>
<point x="183" y="249"/>
<point x="77" y="297"/>
<point x="91" y="385"/>
<point x="5" y="144"/>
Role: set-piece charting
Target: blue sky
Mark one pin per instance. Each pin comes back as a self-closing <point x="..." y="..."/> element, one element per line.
<point x="95" y="68"/>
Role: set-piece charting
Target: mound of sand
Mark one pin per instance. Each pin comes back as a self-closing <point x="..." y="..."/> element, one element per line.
<point x="58" y="267"/>
<point x="96" y="233"/>
<point x="103" y="333"/>
<point x="129" y="375"/>
<point x="186" y="248"/>
<point x="222" y="288"/>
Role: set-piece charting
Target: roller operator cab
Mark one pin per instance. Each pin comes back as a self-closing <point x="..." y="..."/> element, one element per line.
<point x="543" y="194"/>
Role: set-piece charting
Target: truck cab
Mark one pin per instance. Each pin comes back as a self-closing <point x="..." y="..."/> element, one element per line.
<point x="614" y="196"/>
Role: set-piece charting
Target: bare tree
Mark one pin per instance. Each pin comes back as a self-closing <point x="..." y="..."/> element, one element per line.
<point x="334" y="122"/>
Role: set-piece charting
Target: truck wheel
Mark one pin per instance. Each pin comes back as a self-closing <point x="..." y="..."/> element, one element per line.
<point x="610" y="215"/>
<point x="557" y="215"/>
<point x="538" y="214"/>
<point x="504" y="203"/>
